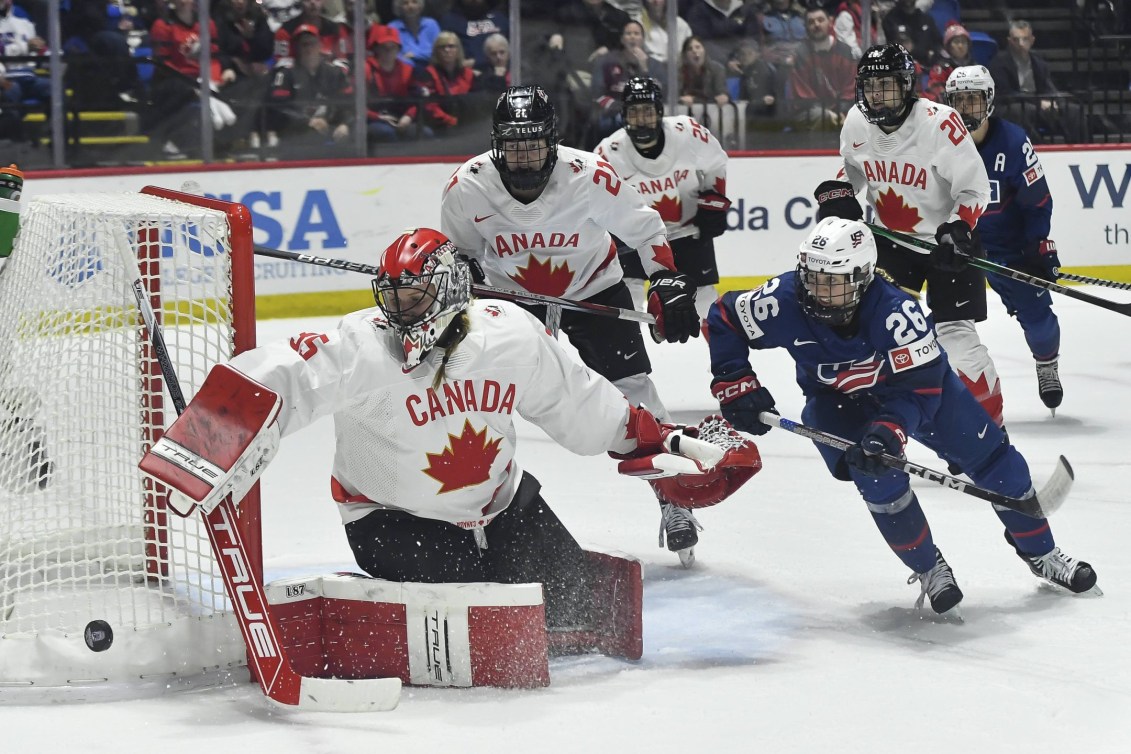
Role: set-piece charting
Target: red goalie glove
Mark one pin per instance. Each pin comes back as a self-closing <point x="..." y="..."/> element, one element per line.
<point x="692" y="467"/>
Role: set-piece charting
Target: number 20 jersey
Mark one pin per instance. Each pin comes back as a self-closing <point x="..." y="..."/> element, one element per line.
<point x="926" y="173"/>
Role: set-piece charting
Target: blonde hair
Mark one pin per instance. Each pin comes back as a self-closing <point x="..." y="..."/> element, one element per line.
<point x="443" y="38"/>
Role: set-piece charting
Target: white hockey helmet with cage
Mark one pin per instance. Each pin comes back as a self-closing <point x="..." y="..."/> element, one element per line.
<point x="971" y="78"/>
<point x="422" y="286"/>
<point x="835" y="265"/>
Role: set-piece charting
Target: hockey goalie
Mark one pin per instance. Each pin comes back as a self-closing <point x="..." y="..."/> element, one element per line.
<point x="449" y="529"/>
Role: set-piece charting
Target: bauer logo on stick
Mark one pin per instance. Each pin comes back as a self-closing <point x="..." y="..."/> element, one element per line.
<point x="98" y="635"/>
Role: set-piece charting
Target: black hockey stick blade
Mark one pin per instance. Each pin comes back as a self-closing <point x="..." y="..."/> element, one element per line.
<point x="910" y="242"/>
<point x="1074" y="278"/>
<point x="1057" y="488"/>
<point x="485" y="291"/>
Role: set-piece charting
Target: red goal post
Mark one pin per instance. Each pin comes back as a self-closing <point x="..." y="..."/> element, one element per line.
<point x="99" y="582"/>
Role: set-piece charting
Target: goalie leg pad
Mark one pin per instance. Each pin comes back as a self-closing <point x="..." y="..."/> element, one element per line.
<point x="353" y="626"/>
<point x="220" y="444"/>
<point x="618" y="609"/>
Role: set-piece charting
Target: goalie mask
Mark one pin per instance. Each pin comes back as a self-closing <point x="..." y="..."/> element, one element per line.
<point x="836" y="264"/>
<point x="970" y="91"/>
<point x="885" y="84"/>
<point x="421" y="288"/>
<point x="524" y="138"/>
<point x="642" y="108"/>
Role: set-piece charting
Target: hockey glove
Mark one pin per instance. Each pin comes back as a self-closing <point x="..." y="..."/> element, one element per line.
<point x="671" y="300"/>
<point x="837" y="199"/>
<point x="1042" y="261"/>
<point x="957" y="244"/>
<point x="711" y="217"/>
<point x="883" y="435"/>
<point x="741" y="398"/>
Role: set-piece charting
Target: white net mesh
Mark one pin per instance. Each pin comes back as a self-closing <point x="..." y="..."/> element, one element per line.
<point x="82" y="536"/>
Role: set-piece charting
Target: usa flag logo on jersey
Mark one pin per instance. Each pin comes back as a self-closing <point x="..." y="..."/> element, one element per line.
<point x="850" y="376"/>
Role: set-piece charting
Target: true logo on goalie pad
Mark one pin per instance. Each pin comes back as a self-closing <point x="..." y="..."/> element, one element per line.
<point x="182" y="457"/>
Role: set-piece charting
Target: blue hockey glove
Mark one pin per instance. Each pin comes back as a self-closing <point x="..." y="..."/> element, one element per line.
<point x="741" y="398"/>
<point x="1042" y="261"/>
<point x="957" y="242"/>
<point x="837" y="199"/>
<point x="883" y="435"/>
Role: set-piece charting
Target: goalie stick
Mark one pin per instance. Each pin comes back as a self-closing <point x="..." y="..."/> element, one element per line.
<point x="910" y="242"/>
<point x="277" y="678"/>
<point x="478" y="289"/>
<point x="1043" y="504"/>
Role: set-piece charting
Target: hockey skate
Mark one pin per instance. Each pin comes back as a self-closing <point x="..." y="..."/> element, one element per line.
<point x="939" y="585"/>
<point x="1060" y="570"/>
<point x="681" y="528"/>
<point x="1048" y="384"/>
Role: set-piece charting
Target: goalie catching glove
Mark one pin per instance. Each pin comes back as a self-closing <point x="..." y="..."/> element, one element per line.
<point x="692" y="467"/>
<point x="220" y="444"/>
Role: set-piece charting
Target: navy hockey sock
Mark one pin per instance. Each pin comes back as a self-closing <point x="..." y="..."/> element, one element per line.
<point x="908" y="535"/>
<point x="1031" y="536"/>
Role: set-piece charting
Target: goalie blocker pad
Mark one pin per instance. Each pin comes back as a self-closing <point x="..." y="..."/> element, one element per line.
<point x="220" y="444"/>
<point x="478" y="634"/>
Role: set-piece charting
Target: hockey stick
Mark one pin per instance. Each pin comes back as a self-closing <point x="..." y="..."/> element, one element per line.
<point x="1094" y="281"/>
<point x="277" y="678"/>
<point x="985" y="265"/>
<point x="486" y="291"/>
<point x="1043" y="504"/>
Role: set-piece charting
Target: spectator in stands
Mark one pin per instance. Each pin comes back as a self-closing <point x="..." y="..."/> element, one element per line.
<point x="473" y="21"/>
<point x="337" y="41"/>
<point x="391" y="89"/>
<point x="783" y="31"/>
<point x="417" y="32"/>
<point x="926" y="42"/>
<point x="448" y="80"/>
<point x="610" y="73"/>
<point x="957" y="51"/>
<point x="246" y="39"/>
<point x="19" y="37"/>
<point x="849" y="26"/>
<point x="174" y="89"/>
<point x="310" y="104"/>
<point x="100" y="70"/>
<point x="604" y="22"/>
<point x="722" y="24"/>
<point x="495" y="77"/>
<point x="11" y="116"/>
<point x="758" y="82"/>
<point x="700" y="78"/>
<point x="656" y="36"/>
<point x="1026" y="93"/>
<point x="823" y="80"/>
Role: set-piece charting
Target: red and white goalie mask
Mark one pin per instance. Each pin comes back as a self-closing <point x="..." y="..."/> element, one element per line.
<point x="421" y="288"/>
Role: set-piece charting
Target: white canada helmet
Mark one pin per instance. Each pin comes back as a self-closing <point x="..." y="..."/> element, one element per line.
<point x="971" y="78"/>
<point x="835" y="265"/>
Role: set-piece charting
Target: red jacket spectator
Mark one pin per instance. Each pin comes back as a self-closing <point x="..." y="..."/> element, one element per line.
<point x="386" y="85"/>
<point x="446" y="77"/>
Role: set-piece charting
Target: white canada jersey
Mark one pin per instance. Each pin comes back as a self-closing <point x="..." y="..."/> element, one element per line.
<point x="692" y="161"/>
<point x="926" y="173"/>
<point x="559" y="244"/>
<point x="445" y="452"/>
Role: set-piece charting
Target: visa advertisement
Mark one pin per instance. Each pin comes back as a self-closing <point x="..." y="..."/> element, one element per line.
<point x="352" y="212"/>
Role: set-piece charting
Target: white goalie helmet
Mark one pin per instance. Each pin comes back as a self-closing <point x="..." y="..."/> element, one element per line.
<point x="835" y="265"/>
<point x="970" y="91"/>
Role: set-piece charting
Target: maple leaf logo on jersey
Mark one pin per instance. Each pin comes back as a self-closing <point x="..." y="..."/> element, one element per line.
<point x="670" y="209"/>
<point x="493" y="310"/>
<point x="540" y="276"/>
<point x="663" y="256"/>
<point x="721" y="186"/>
<point x="970" y="215"/>
<point x="577" y="165"/>
<point x="896" y="214"/>
<point x="465" y="461"/>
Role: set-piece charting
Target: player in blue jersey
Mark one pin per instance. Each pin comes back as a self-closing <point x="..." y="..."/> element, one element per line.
<point x="873" y="372"/>
<point x="1015" y="225"/>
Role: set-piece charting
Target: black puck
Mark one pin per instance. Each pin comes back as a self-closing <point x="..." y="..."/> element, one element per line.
<point x="98" y="635"/>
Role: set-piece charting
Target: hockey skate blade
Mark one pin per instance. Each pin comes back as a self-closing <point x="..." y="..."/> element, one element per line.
<point x="686" y="557"/>
<point x="1056" y="489"/>
<point x="341" y="695"/>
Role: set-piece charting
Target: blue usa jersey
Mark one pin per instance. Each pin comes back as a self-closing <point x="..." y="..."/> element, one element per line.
<point x="1020" y="208"/>
<point x="894" y="355"/>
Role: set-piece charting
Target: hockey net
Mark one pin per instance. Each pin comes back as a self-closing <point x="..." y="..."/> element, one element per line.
<point x="83" y="537"/>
